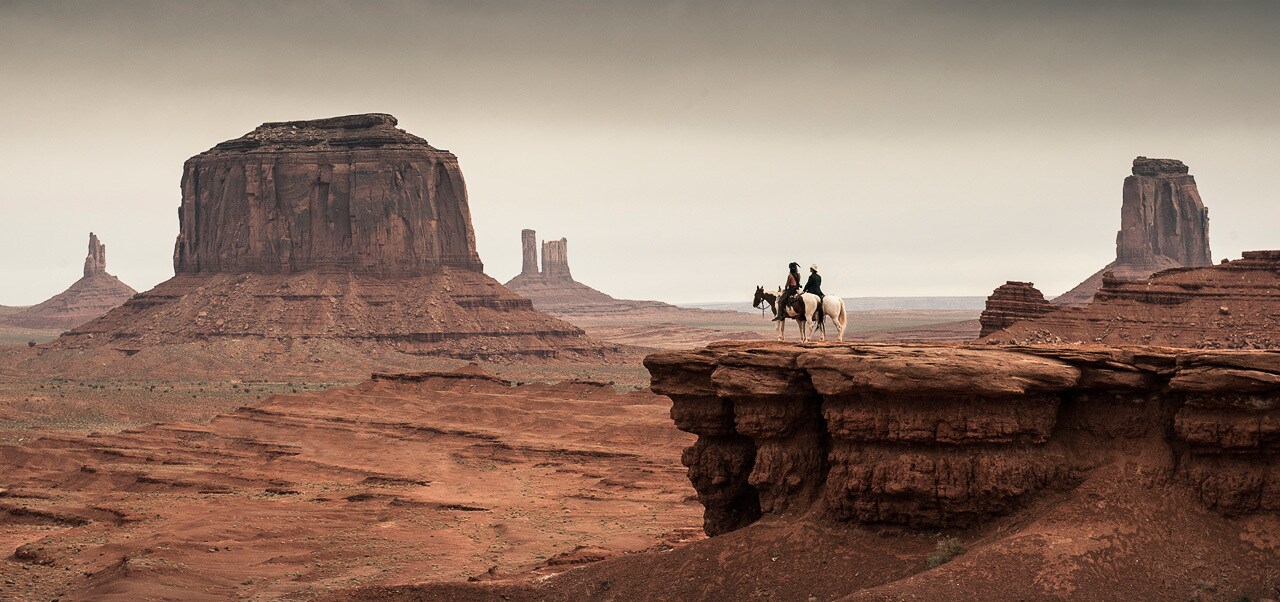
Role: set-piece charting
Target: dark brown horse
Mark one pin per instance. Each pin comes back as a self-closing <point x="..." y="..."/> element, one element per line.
<point x="795" y="310"/>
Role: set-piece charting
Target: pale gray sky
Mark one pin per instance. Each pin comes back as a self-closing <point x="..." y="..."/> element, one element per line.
<point x="687" y="150"/>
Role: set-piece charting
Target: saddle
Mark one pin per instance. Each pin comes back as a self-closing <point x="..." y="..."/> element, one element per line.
<point x="797" y="305"/>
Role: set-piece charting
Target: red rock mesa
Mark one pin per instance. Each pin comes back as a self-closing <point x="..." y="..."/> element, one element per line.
<point x="1163" y="224"/>
<point x="96" y="293"/>
<point x="343" y="231"/>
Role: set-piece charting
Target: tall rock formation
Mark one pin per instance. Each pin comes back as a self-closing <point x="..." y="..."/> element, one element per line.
<point x="339" y="235"/>
<point x="94" y="294"/>
<point x="529" y="249"/>
<point x="96" y="261"/>
<point x="1163" y="225"/>
<point x="1010" y="302"/>
<point x="555" y="259"/>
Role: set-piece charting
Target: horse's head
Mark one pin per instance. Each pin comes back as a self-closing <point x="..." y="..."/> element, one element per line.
<point x="759" y="297"/>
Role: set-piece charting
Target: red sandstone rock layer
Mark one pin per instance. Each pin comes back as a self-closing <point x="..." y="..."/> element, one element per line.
<point x="87" y="298"/>
<point x="1163" y="225"/>
<point x="1010" y="302"/>
<point x="1079" y="473"/>
<point x="1233" y="305"/>
<point x="950" y="436"/>
<point x="421" y="476"/>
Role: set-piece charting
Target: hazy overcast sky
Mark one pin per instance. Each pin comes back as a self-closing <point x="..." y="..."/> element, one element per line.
<point x="687" y="150"/>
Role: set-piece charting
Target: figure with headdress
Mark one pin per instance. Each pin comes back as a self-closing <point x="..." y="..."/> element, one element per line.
<point x="788" y="291"/>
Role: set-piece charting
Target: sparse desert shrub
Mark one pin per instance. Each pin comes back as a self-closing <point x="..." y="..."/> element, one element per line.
<point x="948" y="548"/>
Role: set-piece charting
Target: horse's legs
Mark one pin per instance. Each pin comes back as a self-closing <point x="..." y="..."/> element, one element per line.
<point x="782" y="328"/>
<point x="822" y="309"/>
<point x="842" y="321"/>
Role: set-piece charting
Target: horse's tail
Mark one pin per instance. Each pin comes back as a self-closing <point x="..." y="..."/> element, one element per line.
<point x="843" y="320"/>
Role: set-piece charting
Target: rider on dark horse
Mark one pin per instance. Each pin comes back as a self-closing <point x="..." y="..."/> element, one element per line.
<point x="789" y="291"/>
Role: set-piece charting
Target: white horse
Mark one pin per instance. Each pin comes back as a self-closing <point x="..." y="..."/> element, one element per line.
<point x="830" y="307"/>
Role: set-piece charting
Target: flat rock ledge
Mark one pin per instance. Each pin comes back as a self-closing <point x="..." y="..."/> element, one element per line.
<point x="933" y="436"/>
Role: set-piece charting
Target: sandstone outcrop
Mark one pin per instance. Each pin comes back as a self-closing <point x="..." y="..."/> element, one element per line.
<point x="555" y="259"/>
<point x="93" y="295"/>
<point x="1010" y="302"/>
<point x="1163" y="225"/>
<point x="96" y="261"/>
<point x="1233" y="305"/>
<point x="950" y="436"/>
<point x="344" y="230"/>
<point x="529" y="251"/>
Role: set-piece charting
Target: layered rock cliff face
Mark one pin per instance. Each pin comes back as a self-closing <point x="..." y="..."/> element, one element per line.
<point x="949" y="436"/>
<point x="1010" y="302"/>
<point x="344" y="230"/>
<point x="93" y="295"/>
<point x="1163" y="225"/>
<point x="351" y="194"/>
<point x="1233" y="305"/>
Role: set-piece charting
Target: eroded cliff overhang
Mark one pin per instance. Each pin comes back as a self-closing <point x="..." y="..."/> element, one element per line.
<point x="934" y="435"/>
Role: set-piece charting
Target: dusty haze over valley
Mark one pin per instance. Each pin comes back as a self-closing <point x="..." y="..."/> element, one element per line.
<point x="670" y="131"/>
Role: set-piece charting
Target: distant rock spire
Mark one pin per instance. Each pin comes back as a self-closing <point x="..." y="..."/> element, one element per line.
<point x="1163" y="225"/>
<point x="96" y="261"/>
<point x="555" y="259"/>
<point x="529" y="247"/>
<point x="1162" y="215"/>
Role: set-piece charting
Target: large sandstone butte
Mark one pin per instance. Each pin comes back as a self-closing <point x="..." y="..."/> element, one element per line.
<point x="1163" y="225"/>
<point x="96" y="293"/>
<point x="345" y="194"/>
<point x="1233" y="305"/>
<point x="343" y="231"/>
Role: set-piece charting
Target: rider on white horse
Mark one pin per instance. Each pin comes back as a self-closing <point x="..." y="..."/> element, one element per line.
<point x="813" y="286"/>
